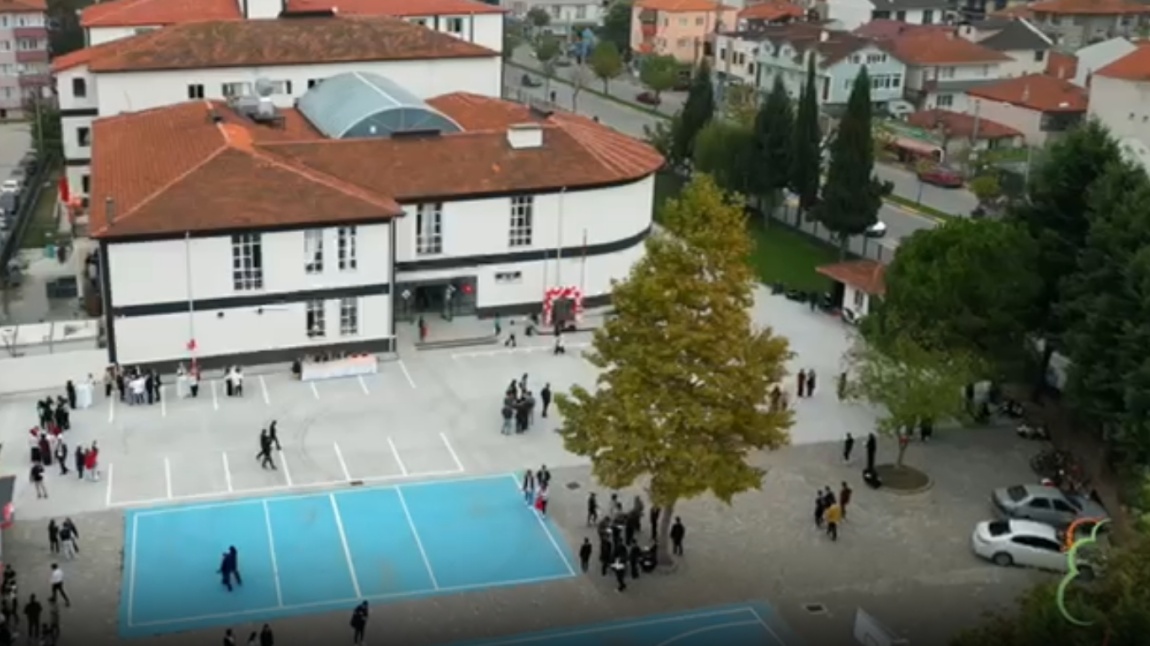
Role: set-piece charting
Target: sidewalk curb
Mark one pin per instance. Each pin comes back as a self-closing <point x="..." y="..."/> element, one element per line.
<point x="638" y="107"/>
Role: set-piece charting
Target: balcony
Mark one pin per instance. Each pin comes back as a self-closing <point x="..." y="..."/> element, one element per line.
<point x="30" y="33"/>
<point x="32" y="56"/>
<point x="35" y="79"/>
<point x="648" y="29"/>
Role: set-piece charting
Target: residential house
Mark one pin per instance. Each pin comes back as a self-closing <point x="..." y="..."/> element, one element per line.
<point x="679" y="28"/>
<point x="942" y="66"/>
<point x="974" y="10"/>
<point x="849" y="15"/>
<point x="858" y="284"/>
<point x="275" y="240"/>
<point x="1039" y="106"/>
<point x="471" y="20"/>
<point x="773" y="12"/>
<point x="1120" y="99"/>
<point x="1077" y="23"/>
<point x="735" y="56"/>
<point x="1026" y="45"/>
<point x="199" y="60"/>
<point x="1095" y="57"/>
<point x="566" y="16"/>
<point x="784" y="53"/>
<point x="958" y="134"/>
<point x="24" y="72"/>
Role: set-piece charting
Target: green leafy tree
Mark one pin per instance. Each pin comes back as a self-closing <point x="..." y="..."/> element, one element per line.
<point x="547" y="49"/>
<point x="741" y="104"/>
<point x="661" y="136"/>
<point x="851" y="197"/>
<point x="67" y="35"/>
<point x="658" y="73"/>
<point x="725" y="150"/>
<point x="967" y="284"/>
<point x="806" y="145"/>
<point x="616" y="27"/>
<point x="511" y="42"/>
<point x="1131" y="443"/>
<point x="986" y="188"/>
<point x="684" y="369"/>
<point x="606" y="63"/>
<point x="47" y="131"/>
<point x="698" y="110"/>
<point x="773" y="131"/>
<point x="1097" y="308"/>
<point x="1057" y="215"/>
<point x="911" y="384"/>
<point x="538" y="17"/>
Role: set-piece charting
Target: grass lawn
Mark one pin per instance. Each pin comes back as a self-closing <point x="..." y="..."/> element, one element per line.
<point x="43" y="227"/>
<point x="781" y="254"/>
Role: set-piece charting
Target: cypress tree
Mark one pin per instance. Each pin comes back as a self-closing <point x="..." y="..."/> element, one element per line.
<point x="806" y="142"/>
<point x="697" y="111"/>
<point x="774" y="124"/>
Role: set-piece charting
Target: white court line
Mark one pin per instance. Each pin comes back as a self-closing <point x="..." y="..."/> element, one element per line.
<point x="168" y="477"/>
<point x="108" y="494"/>
<point x="611" y="627"/>
<point x="163" y="402"/>
<point x="112" y="408"/>
<point x="341" y="603"/>
<point x="398" y="460"/>
<point x="215" y="396"/>
<point x="132" y="564"/>
<point x="314" y="390"/>
<point x="547" y="530"/>
<point x="451" y="450"/>
<point x="415" y="535"/>
<point x="363" y="385"/>
<point x="264" y="388"/>
<point x="287" y="470"/>
<point x="272" y="553"/>
<point x="706" y="629"/>
<point x="520" y="350"/>
<point x="223" y="504"/>
<point x="767" y="626"/>
<point x="406" y="374"/>
<point x="346" y="547"/>
<point x="227" y="472"/>
<point x="342" y="463"/>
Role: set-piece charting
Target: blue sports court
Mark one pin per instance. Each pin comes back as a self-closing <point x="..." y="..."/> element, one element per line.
<point x="324" y="551"/>
<point x="743" y="625"/>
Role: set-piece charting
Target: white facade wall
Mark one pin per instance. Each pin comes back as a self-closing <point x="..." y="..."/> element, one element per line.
<point x="1024" y="120"/>
<point x="100" y="35"/>
<point x="134" y="266"/>
<point x="856" y="300"/>
<point x="849" y="15"/>
<point x="1124" y="108"/>
<point x="1023" y="62"/>
<point x="736" y="57"/>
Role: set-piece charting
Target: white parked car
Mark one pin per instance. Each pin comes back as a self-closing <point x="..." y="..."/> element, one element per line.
<point x="10" y="186"/>
<point x="876" y="230"/>
<point x="1025" y="543"/>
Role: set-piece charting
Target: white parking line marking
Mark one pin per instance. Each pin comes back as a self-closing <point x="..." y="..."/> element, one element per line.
<point x="314" y="390"/>
<point x="398" y="460"/>
<point x="264" y="388"/>
<point x="406" y="374"/>
<point x="363" y="385"/>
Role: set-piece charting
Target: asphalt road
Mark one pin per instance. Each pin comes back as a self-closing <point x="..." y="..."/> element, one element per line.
<point x="900" y="222"/>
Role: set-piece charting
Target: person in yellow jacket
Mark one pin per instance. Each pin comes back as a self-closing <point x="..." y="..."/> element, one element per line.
<point x="833" y="516"/>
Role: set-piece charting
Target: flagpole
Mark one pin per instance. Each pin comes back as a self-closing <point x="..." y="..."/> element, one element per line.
<point x="191" y="301"/>
<point x="583" y="266"/>
<point x="559" y="242"/>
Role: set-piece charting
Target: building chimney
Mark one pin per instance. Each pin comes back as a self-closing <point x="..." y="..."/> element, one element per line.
<point x="824" y="36"/>
<point x="110" y="210"/>
<point x="1026" y="93"/>
<point x="525" y="135"/>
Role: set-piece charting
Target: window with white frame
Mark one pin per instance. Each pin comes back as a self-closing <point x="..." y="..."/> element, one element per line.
<point x="509" y="277"/>
<point x="581" y="12"/>
<point x="945" y="100"/>
<point x="196" y="91"/>
<point x="946" y="72"/>
<point x="233" y="90"/>
<point x="316" y="325"/>
<point x="429" y="229"/>
<point x="522" y="220"/>
<point x="281" y="87"/>
<point x="348" y="316"/>
<point x="454" y="25"/>
<point x="84" y="137"/>
<point x="345" y="241"/>
<point x="247" y="262"/>
<point x="313" y="251"/>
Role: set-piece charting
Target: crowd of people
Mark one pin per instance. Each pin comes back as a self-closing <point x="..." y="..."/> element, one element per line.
<point x="519" y="406"/>
<point x="38" y="620"/>
<point x="47" y="443"/>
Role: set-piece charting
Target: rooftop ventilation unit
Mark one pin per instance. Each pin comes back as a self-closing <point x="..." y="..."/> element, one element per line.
<point x="259" y="106"/>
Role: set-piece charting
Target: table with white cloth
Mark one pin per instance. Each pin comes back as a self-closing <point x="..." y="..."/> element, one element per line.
<point x="349" y="367"/>
<point x="183" y="386"/>
<point x="83" y="396"/>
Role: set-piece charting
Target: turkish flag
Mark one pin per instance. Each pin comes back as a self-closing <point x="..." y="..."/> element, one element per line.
<point x="192" y="345"/>
<point x="65" y="194"/>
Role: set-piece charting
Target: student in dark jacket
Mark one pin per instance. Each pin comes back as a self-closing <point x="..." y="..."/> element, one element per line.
<point x="359" y="623"/>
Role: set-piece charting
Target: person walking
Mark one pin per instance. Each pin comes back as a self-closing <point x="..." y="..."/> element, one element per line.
<point x="654" y="514"/>
<point x="845" y="498"/>
<point x="529" y="488"/>
<point x="592" y="509"/>
<point x="81" y="460"/>
<point x="57" y="582"/>
<point x="274" y="437"/>
<point x="620" y="569"/>
<point x="53" y="537"/>
<point x="37" y="477"/>
<point x="585" y="555"/>
<point x="871" y="449"/>
<point x="848" y="448"/>
<point x="229" y="638"/>
<point x="32" y="612"/>
<point x="801" y="383"/>
<point x="265" y="454"/>
<point x="834" y="516"/>
<point x="267" y="637"/>
<point x="811" y="382"/>
<point x="67" y="541"/>
<point x="545" y="398"/>
<point x="230" y="568"/>
<point x="678" y="533"/>
<point x="359" y="623"/>
<point x="62" y="456"/>
<point x="820" y="508"/>
<point x="605" y="551"/>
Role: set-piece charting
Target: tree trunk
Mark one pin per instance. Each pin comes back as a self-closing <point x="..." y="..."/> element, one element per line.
<point x="663" y="545"/>
<point x="1043" y="367"/>
<point x="903" y="444"/>
<point x="606" y="87"/>
<point x="844" y="246"/>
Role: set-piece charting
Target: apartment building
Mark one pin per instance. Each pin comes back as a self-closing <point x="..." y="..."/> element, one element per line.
<point x="1120" y="99"/>
<point x="24" y="72"/>
<point x="679" y="28"/>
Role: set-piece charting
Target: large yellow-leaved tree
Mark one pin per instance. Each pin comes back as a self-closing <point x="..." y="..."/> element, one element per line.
<point x="680" y="402"/>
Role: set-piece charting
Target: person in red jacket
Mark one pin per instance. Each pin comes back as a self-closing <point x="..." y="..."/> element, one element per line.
<point x="91" y="462"/>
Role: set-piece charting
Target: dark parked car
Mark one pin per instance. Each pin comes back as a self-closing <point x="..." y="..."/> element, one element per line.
<point x="9" y="202"/>
<point x="648" y="98"/>
<point x="529" y="81"/>
<point x="941" y="176"/>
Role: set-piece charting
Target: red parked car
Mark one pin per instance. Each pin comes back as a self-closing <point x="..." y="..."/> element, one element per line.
<point x="648" y="98"/>
<point x="941" y="176"/>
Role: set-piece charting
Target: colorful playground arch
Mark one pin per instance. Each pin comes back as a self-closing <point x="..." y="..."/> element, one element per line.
<point x="1072" y="546"/>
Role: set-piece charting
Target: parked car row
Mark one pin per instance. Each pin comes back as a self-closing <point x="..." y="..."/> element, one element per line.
<point x="14" y="189"/>
<point x="1032" y="527"/>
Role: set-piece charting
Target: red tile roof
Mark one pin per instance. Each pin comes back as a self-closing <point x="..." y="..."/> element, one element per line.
<point x="1018" y="11"/>
<point x="832" y="46"/>
<point x="89" y="54"/>
<point x="253" y="43"/>
<point x="957" y="124"/>
<point x="1037" y="92"/>
<point x="929" y="47"/>
<point x="175" y="169"/>
<point x="138" y="13"/>
<point x="1134" y="66"/>
<point x="149" y="13"/>
<point x="1061" y="65"/>
<point x="682" y="6"/>
<point x="23" y="6"/>
<point x="865" y="275"/>
<point x="1090" y="7"/>
<point x="887" y="29"/>
<point x="772" y="10"/>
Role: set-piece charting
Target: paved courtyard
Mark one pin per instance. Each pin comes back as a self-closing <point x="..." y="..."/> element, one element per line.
<point x="434" y="415"/>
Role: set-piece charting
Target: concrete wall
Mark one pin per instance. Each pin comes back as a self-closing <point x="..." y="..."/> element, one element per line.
<point x="50" y="371"/>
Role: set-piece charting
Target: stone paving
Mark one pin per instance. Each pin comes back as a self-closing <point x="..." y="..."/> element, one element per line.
<point x="898" y="556"/>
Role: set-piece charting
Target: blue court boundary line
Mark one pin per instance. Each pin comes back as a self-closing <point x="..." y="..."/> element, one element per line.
<point x="281" y="611"/>
<point x="755" y="613"/>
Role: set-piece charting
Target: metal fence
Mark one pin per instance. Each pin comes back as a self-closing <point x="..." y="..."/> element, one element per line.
<point x="26" y="211"/>
<point x="878" y="249"/>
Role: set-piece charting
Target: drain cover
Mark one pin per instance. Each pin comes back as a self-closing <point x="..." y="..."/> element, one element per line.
<point x="573" y="485"/>
<point x="815" y="608"/>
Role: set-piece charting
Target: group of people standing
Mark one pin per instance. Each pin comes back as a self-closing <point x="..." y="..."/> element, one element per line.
<point x="535" y="488"/>
<point x="40" y="623"/>
<point x="519" y="406"/>
<point x="133" y="385"/>
<point x="619" y="532"/>
<point x="46" y="443"/>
